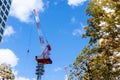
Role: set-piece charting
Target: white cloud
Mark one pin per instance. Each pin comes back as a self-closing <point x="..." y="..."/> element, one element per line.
<point x="57" y="69"/>
<point x="77" y="32"/>
<point x="75" y="2"/>
<point x="17" y="77"/>
<point x="21" y="78"/>
<point x="55" y="3"/>
<point x="15" y="72"/>
<point x="33" y="79"/>
<point x="73" y="20"/>
<point x="47" y="4"/>
<point x="22" y="9"/>
<point x="9" y="31"/>
<point x="8" y="57"/>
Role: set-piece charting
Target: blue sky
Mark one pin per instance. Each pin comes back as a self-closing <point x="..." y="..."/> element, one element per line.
<point x="62" y="23"/>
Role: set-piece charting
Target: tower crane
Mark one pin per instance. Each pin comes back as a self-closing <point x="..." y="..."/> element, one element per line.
<point x="46" y="48"/>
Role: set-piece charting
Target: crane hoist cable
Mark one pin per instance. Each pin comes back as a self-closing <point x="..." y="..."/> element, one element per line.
<point x="29" y="42"/>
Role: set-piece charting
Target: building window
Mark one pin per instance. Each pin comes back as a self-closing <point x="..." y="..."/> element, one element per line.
<point x="0" y="20"/>
<point x="1" y="31"/>
<point x="1" y="13"/>
<point x="3" y="24"/>
<point x="9" y="1"/>
<point x="5" y="2"/>
<point x="3" y="7"/>
<point x="5" y="18"/>
<point x="6" y="12"/>
<point x="0" y="38"/>
<point x="8" y="7"/>
<point x="0" y="3"/>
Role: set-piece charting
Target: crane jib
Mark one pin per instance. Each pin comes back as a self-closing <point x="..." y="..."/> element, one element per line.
<point x="41" y="40"/>
<point x="46" y="48"/>
<point x="38" y="27"/>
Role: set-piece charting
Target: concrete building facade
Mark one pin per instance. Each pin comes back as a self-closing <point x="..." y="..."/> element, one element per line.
<point x="4" y="11"/>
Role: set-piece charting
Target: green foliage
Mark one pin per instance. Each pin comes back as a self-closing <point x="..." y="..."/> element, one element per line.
<point x="6" y="72"/>
<point x="101" y="58"/>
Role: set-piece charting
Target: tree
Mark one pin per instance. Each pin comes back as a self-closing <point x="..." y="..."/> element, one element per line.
<point x="101" y="59"/>
<point x="6" y="72"/>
